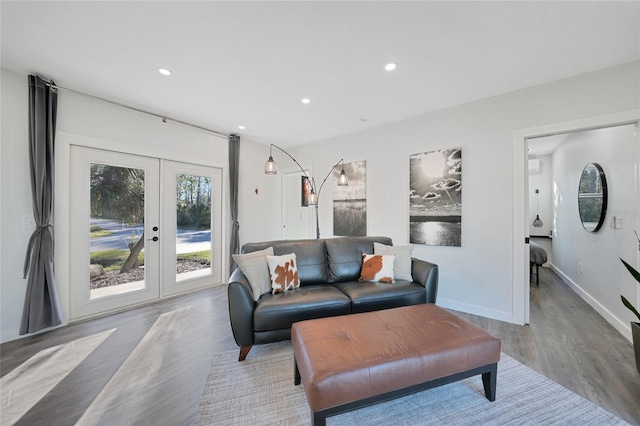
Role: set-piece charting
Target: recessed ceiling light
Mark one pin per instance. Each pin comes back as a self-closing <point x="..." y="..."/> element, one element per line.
<point x="390" y="67"/>
<point x="306" y="100"/>
<point x="361" y="120"/>
<point x="241" y="127"/>
<point x="164" y="71"/>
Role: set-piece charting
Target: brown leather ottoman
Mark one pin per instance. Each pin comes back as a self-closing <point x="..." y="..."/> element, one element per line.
<point x="347" y="362"/>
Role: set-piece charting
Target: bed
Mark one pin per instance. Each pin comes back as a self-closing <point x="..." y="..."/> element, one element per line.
<point x="537" y="257"/>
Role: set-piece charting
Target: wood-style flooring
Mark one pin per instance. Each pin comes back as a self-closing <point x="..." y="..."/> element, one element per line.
<point x="569" y="342"/>
<point x="148" y="366"/>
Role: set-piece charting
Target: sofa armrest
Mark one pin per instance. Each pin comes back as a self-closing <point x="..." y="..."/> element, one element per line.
<point x="241" y="306"/>
<point x="426" y="274"/>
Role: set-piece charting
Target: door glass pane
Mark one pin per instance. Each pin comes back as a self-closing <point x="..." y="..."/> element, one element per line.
<point x="116" y="230"/>
<point x="193" y="230"/>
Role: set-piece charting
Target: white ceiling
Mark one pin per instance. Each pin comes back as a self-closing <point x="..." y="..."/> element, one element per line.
<point x="545" y="145"/>
<point x="251" y="63"/>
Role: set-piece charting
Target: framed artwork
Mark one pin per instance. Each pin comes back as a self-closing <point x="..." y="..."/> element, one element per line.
<point x="435" y="198"/>
<point x="305" y="190"/>
<point x="350" y="202"/>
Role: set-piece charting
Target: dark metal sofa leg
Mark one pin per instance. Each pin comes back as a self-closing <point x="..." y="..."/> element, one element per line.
<point x="244" y="351"/>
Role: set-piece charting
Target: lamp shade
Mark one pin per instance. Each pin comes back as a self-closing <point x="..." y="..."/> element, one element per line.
<point x="537" y="222"/>
<point x="270" y="167"/>
<point x="342" y="179"/>
<point x="313" y="198"/>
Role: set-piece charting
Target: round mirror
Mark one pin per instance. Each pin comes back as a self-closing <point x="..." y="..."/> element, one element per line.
<point x="592" y="197"/>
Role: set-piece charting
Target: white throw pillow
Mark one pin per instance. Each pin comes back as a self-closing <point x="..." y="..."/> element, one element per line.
<point x="377" y="268"/>
<point x="402" y="265"/>
<point x="254" y="266"/>
<point x="284" y="273"/>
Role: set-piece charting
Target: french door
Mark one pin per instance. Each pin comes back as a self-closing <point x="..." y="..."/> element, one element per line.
<point x="141" y="228"/>
<point x="192" y="220"/>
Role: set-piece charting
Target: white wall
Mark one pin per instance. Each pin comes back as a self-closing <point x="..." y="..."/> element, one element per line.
<point x="541" y="180"/>
<point x="259" y="214"/>
<point x="92" y="122"/>
<point x="603" y="278"/>
<point x="477" y="277"/>
<point x="15" y="194"/>
<point x="109" y="127"/>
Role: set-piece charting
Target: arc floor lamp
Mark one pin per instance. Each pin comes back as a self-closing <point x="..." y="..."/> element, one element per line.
<point x="270" y="168"/>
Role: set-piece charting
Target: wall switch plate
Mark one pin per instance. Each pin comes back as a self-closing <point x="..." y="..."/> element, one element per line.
<point x="618" y="223"/>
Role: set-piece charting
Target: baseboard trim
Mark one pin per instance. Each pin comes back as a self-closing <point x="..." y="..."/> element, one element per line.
<point x="141" y="304"/>
<point x="477" y="310"/>
<point x="624" y="329"/>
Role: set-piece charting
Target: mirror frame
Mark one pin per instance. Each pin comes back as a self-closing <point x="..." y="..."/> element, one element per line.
<point x="603" y="211"/>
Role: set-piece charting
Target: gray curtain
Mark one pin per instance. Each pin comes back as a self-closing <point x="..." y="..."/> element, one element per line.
<point x="234" y="164"/>
<point x="41" y="306"/>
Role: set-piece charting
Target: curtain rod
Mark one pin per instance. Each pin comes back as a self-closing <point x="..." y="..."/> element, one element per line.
<point x="164" y="118"/>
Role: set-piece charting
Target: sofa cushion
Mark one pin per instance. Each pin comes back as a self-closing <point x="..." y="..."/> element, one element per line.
<point x="279" y="311"/>
<point x="377" y="268"/>
<point x="310" y="255"/>
<point x="345" y="256"/>
<point x="366" y="297"/>
<point x="283" y="272"/>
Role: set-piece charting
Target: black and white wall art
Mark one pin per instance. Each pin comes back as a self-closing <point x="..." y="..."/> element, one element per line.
<point x="305" y="191"/>
<point x="435" y="198"/>
<point x="350" y="202"/>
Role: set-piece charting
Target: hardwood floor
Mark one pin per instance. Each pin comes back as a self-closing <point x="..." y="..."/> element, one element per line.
<point x="152" y="368"/>
<point x="165" y="387"/>
<point x="569" y="342"/>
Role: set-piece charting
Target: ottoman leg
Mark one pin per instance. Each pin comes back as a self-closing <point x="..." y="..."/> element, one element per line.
<point x="296" y="373"/>
<point x="489" y="382"/>
<point x="318" y="418"/>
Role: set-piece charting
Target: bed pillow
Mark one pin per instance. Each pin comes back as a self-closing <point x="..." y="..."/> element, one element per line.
<point x="254" y="266"/>
<point x="377" y="268"/>
<point x="284" y="273"/>
<point x="402" y="265"/>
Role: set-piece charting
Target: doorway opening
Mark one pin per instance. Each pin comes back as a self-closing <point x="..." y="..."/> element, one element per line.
<point x="141" y="228"/>
<point x="557" y="211"/>
<point x="297" y="218"/>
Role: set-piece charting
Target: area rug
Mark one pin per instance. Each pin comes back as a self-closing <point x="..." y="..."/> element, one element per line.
<point x="260" y="391"/>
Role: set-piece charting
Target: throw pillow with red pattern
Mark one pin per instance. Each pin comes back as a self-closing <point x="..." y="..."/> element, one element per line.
<point x="284" y="273"/>
<point x="377" y="268"/>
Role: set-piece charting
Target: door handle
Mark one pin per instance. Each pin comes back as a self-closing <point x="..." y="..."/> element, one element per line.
<point x="153" y="239"/>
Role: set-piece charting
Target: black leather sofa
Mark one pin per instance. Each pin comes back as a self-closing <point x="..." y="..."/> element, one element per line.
<point x="329" y="270"/>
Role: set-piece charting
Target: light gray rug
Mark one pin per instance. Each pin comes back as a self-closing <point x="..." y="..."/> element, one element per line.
<point x="260" y="391"/>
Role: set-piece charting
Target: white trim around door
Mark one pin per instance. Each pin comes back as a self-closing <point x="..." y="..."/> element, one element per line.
<point x="520" y="302"/>
<point x="77" y="305"/>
